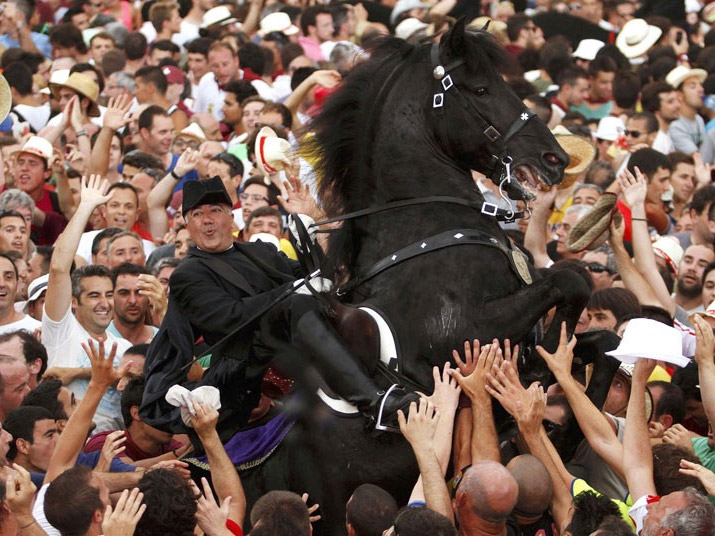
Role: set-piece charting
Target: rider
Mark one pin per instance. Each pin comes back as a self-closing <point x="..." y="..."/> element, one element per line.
<point x="220" y="285"/>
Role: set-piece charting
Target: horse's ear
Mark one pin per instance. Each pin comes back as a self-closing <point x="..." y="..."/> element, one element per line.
<point x="454" y="39"/>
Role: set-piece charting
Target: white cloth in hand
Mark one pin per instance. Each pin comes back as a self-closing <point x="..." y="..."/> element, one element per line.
<point x="181" y="397"/>
<point x="320" y="284"/>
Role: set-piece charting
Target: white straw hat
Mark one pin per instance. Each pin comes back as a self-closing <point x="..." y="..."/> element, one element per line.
<point x="408" y="27"/>
<point x="272" y="153"/>
<point x="218" y="15"/>
<point x="680" y="74"/>
<point x="650" y="339"/>
<point x="277" y="22"/>
<point x="637" y="37"/>
<point x="587" y="49"/>
<point x="39" y="147"/>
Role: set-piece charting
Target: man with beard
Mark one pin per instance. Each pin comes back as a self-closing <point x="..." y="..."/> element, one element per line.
<point x="131" y="306"/>
<point x="89" y="292"/>
<point x="689" y="287"/>
<point x="660" y="99"/>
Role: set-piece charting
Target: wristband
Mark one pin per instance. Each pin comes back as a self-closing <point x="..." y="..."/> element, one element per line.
<point x="82" y="132"/>
<point x="173" y="174"/>
<point x="639" y="219"/>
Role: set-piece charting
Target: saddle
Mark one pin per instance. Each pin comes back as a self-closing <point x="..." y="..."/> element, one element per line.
<point x="359" y="330"/>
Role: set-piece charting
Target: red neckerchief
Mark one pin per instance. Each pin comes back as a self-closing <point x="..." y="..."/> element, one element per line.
<point x="596" y="101"/>
<point x="560" y="104"/>
<point x="249" y="75"/>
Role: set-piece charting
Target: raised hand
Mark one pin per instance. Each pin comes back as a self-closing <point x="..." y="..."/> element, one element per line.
<point x="113" y="447"/>
<point x="123" y="519"/>
<point x="327" y="79"/>
<point x="19" y="492"/>
<point x="311" y="509"/>
<point x="149" y="286"/>
<point x="511" y="355"/>
<point x="103" y="372"/>
<point x="77" y="116"/>
<point x="678" y="435"/>
<point x="420" y="425"/>
<point x="531" y="417"/>
<point x="296" y="198"/>
<point x="204" y="419"/>
<point x="467" y="366"/>
<point x="474" y="384"/>
<point x="615" y="239"/>
<point x="702" y="170"/>
<point x="706" y="476"/>
<point x="446" y="390"/>
<point x="504" y="385"/>
<point x="545" y="199"/>
<point x="559" y="363"/>
<point x="94" y="191"/>
<point x="704" y="342"/>
<point x="634" y="188"/>
<point x="117" y="114"/>
<point x="210" y="517"/>
<point x="179" y="467"/>
<point x="188" y="161"/>
<point x="643" y="369"/>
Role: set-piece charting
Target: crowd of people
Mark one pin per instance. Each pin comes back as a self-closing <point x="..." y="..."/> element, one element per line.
<point x="149" y="160"/>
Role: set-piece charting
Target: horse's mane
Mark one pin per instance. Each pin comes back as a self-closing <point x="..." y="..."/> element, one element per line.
<point x="341" y="148"/>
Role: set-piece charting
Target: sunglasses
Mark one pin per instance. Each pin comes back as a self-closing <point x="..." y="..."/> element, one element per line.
<point x="633" y="133"/>
<point x="597" y="268"/>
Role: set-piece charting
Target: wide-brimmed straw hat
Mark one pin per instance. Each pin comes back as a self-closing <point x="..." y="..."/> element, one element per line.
<point x="669" y="249"/>
<point x="408" y="27"/>
<point x="5" y="98"/>
<point x="637" y="37"/>
<point x="592" y="230"/>
<point x="278" y="22"/>
<point x="680" y="74"/>
<point x="646" y="338"/>
<point x="84" y="86"/>
<point x="581" y="153"/>
<point x="272" y="153"/>
<point x="193" y="130"/>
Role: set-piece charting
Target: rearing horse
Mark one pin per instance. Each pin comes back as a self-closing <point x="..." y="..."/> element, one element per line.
<point x="397" y="142"/>
<point x="408" y="126"/>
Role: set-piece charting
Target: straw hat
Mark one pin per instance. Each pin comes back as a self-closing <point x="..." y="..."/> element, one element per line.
<point x="637" y="37"/>
<point x="669" y="249"/>
<point x="581" y="153"/>
<point x="39" y="147"/>
<point x="646" y="338"/>
<point x="193" y="130"/>
<point x="709" y="312"/>
<point x="5" y="98"/>
<point x="272" y="153"/>
<point x="218" y="15"/>
<point x="591" y="231"/>
<point x="277" y="22"/>
<point x="495" y="26"/>
<point x="84" y="86"/>
<point x="403" y="6"/>
<point x="680" y="74"/>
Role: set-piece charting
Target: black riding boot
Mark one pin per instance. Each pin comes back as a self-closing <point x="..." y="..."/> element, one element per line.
<point x="344" y="375"/>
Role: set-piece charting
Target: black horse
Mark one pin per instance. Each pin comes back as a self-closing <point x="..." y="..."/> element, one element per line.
<point x="400" y="138"/>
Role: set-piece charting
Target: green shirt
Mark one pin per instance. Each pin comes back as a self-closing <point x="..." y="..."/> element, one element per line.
<point x="706" y="455"/>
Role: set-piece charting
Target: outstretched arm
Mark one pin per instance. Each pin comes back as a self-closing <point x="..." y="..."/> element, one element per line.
<point x="59" y="288"/>
<point x="704" y="357"/>
<point x="634" y="190"/>
<point x="593" y="423"/>
<point x="637" y="452"/>
<point x="327" y="79"/>
<point x="419" y="429"/>
<point x="114" y="119"/>
<point x="224" y="477"/>
<point x="75" y="432"/>
<point x="535" y="238"/>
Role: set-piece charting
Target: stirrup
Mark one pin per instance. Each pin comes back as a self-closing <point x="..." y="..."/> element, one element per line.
<point x="379" y="425"/>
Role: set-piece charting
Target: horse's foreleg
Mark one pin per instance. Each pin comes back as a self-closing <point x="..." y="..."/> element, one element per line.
<point x="514" y="316"/>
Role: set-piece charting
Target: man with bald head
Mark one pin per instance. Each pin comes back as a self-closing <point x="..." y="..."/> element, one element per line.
<point x="485" y="498"/>
<point x="531" y="513"/>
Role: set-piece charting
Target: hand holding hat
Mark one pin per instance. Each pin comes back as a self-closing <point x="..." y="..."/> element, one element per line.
<point x="272" y="153"/>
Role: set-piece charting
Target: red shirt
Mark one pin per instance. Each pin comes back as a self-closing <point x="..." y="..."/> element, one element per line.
<point x="131" y="451"/>
<point x="143" y="233"/>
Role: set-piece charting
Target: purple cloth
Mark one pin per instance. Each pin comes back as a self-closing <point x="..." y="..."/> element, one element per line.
<point x="255" y="445"/>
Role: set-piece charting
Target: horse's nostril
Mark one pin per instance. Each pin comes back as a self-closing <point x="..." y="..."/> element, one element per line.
<point x="551" y="158"/>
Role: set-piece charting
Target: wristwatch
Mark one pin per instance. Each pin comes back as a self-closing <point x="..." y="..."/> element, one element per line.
<point x="173" y="174"/>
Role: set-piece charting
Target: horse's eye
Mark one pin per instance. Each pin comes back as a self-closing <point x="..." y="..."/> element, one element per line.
<point x="480" y="91"/>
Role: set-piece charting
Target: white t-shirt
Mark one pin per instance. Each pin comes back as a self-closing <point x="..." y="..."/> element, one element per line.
<point x="37" y="116"/>
<point x="38" y="512"/>
<point x="27" y="323"/>
<point x="63" y="340"/>
<point x="187" y="33"/>
<point x="640" y="509"/>
<point x="209" y="98"/>
<point x="663" y="143"/>
<point x="84" y="249"/>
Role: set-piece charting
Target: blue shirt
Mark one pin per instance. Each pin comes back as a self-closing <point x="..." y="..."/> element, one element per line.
<point x="90" y="460"/>
<point x="41" y="41"/>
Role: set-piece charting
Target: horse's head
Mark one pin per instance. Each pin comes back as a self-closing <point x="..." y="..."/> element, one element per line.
<point x="478" y="119"/>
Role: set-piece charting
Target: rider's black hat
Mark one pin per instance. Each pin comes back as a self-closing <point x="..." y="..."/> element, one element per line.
<point x="209" y="191"/>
